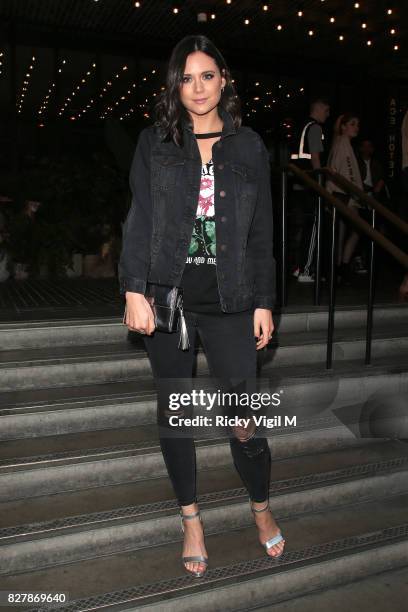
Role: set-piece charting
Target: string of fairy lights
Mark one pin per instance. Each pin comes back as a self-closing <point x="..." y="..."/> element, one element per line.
<point x="133" y="99"/>
<point x="24" y="88"/>
<point x="76" y="89"/>
<point x="46" y="100"/>
<point x="127" y="97"/>
<point x="261" y="8"/>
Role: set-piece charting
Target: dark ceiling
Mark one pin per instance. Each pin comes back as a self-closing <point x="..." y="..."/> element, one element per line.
<point x="98" y="59"/>
<point x="153" y="28"/>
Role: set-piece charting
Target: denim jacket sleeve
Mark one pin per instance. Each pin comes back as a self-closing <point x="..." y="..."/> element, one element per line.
<point x="136" y="234"/>
<point x="260" y="239"/>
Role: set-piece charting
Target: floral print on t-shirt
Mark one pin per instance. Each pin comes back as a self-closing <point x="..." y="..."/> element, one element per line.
<point x="202" y="248"/>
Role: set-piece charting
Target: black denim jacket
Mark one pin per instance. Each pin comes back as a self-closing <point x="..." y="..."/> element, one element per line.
<point x="165" y="183"/>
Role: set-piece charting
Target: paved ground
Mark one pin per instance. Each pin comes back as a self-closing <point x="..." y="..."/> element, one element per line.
<point x="83" y="297"/>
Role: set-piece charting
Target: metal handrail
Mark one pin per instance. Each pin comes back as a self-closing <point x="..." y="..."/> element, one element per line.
<point x="346" y="211"/>
<point x="369" y="200"/>
<point x="375" y="237"/>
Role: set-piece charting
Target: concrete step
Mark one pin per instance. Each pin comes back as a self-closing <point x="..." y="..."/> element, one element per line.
<point x="50" y="512"/>
<point x="378" y="592"/>
<point x="80" y="365"/>
<point x="327" y="547"/>
<point x="78" y="461"/>
<point x="63" y="410"/>
<point x="106" y="330"/>
<point x="318" y="481"/>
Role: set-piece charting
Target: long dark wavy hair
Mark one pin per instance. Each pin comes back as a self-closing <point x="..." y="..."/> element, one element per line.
<point x="170" y="113"/>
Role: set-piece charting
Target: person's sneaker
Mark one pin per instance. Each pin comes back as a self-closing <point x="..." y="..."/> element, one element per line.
<point x="359" y="267"/>
<point x="305" y="278"/>
<point x="296" y="272"/>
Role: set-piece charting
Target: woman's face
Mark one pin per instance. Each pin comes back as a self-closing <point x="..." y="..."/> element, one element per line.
<point x="200" y="90"/>
<point x="351" y="128"/>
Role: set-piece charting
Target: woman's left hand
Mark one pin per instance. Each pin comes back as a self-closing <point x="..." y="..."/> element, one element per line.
<point x="263" y="327"/>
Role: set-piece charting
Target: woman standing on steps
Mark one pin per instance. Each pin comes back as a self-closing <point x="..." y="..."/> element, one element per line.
<point x="201" y="218"/>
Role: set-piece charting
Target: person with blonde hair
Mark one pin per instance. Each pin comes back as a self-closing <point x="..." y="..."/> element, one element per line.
<point x="342" y="160"/>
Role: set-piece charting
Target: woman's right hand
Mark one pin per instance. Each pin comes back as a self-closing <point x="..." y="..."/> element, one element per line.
<point x="139" y="314"/>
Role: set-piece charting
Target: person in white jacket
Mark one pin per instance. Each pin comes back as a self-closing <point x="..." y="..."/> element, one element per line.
<point x="342" y="159"/>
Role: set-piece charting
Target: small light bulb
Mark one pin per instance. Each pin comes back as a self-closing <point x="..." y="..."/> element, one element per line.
<point x="246" y="21"/>
<point x="389" y="12"/>
<point x="300" y="13"/>
<point x="364" y="25"/>
<point x="279" y="27"/>
<point x="369" y="43"/>
<point x="332" y="19"/>
<point x="341" y="37"/>
<point x="311" y="33"/>
<point x="396" y="47"/>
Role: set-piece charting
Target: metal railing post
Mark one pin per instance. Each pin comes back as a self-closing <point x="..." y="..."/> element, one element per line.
<point x="332" y="293"/>
<point x="318" y="243"/>
<point x="370" y="301"/>
<point x="284" y="193"/>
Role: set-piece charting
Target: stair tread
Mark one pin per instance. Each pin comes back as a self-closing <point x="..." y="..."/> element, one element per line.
<point x="122" y="442"/>
<point x="90" y="393"/>
<point x="218" y="480"/>
<point x="77" y="442"/>
<point x="376" y="593"/>
<point x="157" y="563"/>
<point x="123" y="350"/>
<point x="100" y="444"/>
<point x="23" y="400"/>
<point x="63" y="317"/>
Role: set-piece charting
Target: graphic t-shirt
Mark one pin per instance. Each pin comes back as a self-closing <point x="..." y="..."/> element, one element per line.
<point x="199" y="279"/>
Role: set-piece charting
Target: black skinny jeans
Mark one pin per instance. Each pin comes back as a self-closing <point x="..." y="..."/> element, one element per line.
<point x="230" y="348"/>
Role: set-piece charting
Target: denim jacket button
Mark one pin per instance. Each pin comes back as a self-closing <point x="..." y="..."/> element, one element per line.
<point x="223" y="219"/>
<point x="223" y="247"/>
<point x="222" y="194"/>
<point x="220" y="166"/>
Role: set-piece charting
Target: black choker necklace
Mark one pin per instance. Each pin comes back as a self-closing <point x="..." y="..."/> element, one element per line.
<point x="209" y="135"/>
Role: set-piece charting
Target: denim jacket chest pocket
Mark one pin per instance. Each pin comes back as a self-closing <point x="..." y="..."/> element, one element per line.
<point x="246" y="186"/>
<point x="167" y="171"/>
<point x="245" y="181"/>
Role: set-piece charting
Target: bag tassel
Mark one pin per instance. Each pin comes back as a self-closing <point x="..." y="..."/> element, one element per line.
<point x="184" y="342"/>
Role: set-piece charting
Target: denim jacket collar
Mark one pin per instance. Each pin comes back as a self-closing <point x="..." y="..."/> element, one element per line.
<point x="228" y="128"/>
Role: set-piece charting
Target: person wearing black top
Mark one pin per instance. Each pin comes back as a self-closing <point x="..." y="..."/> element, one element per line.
<point x="201" y="218"/>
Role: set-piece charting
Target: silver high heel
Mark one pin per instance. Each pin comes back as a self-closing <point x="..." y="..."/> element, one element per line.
<point x="196" y="557"/>
<point x="276" y="539"/>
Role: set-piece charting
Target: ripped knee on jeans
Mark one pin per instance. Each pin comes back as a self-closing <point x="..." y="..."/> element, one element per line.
<point x="243" y="434"/>
<point x="252" y="446"/>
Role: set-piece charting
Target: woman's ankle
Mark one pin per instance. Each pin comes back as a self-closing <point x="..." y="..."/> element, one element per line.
<point x="189" y="508"/>
<point x="260" y="505"/>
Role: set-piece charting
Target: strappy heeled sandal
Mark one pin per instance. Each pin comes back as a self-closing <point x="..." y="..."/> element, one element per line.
<point x="198" y="558"/>
<point x="275" y="540"/>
